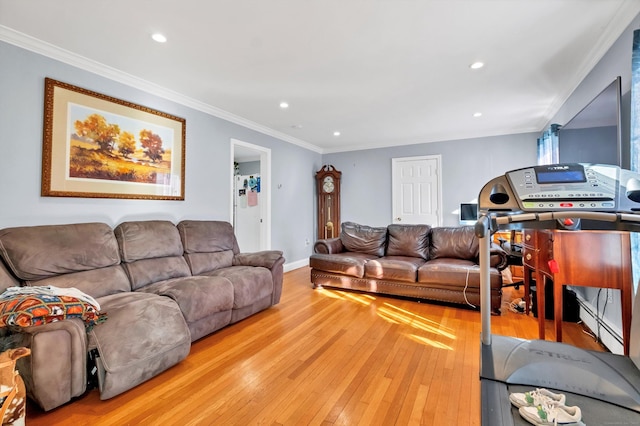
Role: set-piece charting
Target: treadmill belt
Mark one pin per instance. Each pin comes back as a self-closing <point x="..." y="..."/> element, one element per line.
<point x="594" y="412"/>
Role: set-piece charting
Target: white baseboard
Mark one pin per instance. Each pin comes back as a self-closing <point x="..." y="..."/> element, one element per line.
<point x="610" y="334"/>
<point x="295" y="265"/>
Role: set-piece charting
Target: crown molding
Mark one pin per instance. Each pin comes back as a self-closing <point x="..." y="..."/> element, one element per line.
<point x="49" y="50"/>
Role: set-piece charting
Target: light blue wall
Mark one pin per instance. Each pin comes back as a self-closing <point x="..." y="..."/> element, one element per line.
<point x="592" y="145"/>
<point x="208" y="163"/>
<point x="466" y="166"/>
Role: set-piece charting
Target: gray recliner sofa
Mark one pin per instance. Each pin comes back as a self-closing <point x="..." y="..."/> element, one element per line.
<point x="162" y="286"/>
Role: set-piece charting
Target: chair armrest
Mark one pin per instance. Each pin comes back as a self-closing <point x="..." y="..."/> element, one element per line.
<point x="56" y="371"/>
<point x="328" y="246"/>
<point x="498" y="257"/>
<point x="265" y="258"/>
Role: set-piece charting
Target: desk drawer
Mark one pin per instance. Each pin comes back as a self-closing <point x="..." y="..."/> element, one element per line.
<point x="529" y="256"/>
<point x="529" y="237"/>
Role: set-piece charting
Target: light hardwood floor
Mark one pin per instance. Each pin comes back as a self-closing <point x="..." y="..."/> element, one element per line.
<point x="320" y="357"/>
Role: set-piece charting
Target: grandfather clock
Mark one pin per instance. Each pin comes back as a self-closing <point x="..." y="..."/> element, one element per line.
<point x="328" y="186"/>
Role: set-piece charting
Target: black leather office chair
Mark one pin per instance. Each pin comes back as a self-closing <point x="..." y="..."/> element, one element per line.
<point x="514" y="255"/>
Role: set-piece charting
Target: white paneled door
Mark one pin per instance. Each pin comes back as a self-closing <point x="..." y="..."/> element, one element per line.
<point x="416" y="190"/>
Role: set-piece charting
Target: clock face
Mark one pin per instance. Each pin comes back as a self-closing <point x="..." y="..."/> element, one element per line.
<point x="327" y="184"/>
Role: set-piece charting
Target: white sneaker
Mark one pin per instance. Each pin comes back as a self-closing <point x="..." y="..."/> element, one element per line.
<point x="536" y="397"/>
<point x="551" y="414"/>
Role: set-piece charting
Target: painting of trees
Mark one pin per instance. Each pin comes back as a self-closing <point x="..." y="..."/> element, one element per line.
<point x="152" y="144"/>
<point x="95" y="145"/>
<point x="96" y="128"/>
<point x="101" y="149"/>
<point x="126" y="144"/>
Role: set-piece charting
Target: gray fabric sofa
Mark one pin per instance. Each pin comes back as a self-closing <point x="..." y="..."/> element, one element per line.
<point x="162" y="286"/>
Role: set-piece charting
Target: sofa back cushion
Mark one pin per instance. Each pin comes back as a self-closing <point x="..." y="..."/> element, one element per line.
<point x="454" y="242"/>
<point x="408" y="240"/>
<point x="151" y="251"/>
<point x="6" y="279"/>
<point x="363" y="239"/>
<point x="208" y="244"/>
<point x="62" y="255"/>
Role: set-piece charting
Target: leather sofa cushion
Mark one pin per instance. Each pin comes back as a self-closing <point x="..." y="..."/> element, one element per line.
<point x="350" y="264"/>
<point x="37" y="252"/>
<point x="409" y="240"/>
<point x="456" y="243"/>
<point x="363" y="239"/>
<point x="198" y="297"/>
<point x="455" y="273"/>
<point x="397" y="268"/>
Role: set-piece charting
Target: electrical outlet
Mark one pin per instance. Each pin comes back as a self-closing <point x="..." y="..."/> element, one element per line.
<point x="609" y="297"/>
<point x="307" y="242"/>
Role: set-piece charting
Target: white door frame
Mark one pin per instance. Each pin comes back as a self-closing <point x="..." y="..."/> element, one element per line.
<point x="265" y="189"/>
<point x="394" y="195"/>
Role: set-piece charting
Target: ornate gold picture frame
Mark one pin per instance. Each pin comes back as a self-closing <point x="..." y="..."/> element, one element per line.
<point x="97" y="146"/>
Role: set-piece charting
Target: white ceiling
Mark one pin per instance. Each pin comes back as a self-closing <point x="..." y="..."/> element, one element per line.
<point x="382" y="72"/>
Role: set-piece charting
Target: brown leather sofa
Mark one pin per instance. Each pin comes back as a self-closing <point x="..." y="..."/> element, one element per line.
<point x="419" y="261"/>
<point x="162" y="286"/>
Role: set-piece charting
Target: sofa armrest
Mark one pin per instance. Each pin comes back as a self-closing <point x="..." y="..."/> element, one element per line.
<point x="265" y="258"/>
<point x="56" y="371"/>
<point x="328" y="246"/>
<point x="270" y="259"/>
<point x="497" y="257"/>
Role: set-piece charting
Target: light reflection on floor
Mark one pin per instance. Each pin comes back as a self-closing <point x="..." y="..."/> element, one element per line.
<point x="394" y="314"/>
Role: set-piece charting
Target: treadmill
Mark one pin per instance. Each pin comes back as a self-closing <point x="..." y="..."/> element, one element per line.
<point x="605" y="386"/>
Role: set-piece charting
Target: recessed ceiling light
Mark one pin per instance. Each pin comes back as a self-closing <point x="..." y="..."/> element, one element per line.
<point x="284" y="105"/>
<point x="296" y="126"/>
<point x="336" y="133"/>
<point x="476" y="65"/>
<point x="159" y="38"/>
<point x="477" y="114"/>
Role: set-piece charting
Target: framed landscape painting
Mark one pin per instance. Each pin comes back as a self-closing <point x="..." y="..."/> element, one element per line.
<point x="96" y="146"/>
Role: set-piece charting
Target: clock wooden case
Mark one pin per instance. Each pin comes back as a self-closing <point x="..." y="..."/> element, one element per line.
<point x="328" y="187"/>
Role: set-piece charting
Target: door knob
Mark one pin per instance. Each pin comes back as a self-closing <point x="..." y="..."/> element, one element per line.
<point x="399" y="219"/>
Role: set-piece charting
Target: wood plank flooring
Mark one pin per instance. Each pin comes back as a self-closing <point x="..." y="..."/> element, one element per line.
<point x="320" y="357"/>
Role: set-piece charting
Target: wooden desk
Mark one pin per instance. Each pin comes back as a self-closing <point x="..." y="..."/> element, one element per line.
<point x="584" y="258"/>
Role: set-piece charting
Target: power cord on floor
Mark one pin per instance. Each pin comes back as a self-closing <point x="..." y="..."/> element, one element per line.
<point x="464" y="292"/>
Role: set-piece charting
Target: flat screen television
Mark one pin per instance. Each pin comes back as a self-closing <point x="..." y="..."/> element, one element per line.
<point x="593" y="135"/>
<point x="468" y="213"/>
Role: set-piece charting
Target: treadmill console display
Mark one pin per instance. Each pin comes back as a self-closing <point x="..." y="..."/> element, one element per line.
<point x="570" y="173"/>
<point x="565" y="187"/>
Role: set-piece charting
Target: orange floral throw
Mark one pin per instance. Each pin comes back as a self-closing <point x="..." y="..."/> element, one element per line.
<point x="36" y="309"/>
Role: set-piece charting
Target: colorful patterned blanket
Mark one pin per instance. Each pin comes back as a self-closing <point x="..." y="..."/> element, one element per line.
<point x="37" y="307"/>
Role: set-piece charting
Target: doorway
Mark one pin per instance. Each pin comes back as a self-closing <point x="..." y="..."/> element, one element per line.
<point x="251" y="196"/>
<point x="417" y="190"/>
